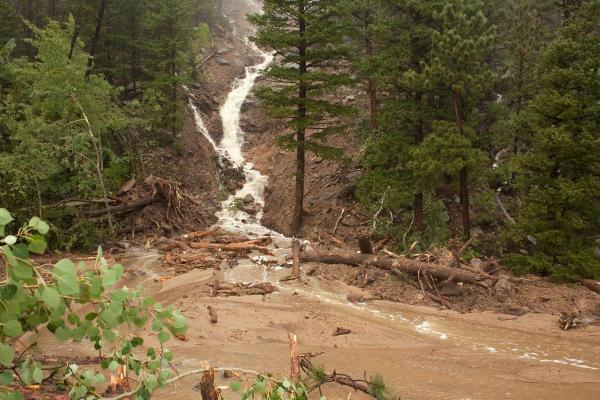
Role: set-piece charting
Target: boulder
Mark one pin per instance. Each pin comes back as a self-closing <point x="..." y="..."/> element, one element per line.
<point x="222" y="61"/>
<point x="354" y="176"/>
<point x="503" y="289"/>
<point x="249" y="199"/>
<point x="251" y="209"/>
<point x="477" y="263"/>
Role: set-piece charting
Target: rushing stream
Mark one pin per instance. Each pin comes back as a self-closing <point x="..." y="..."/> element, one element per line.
<point x="519" y="345"/>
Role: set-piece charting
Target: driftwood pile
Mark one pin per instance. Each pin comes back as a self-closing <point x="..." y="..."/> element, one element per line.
<point x="207" y="249"/>
<point x="211" y="249"/>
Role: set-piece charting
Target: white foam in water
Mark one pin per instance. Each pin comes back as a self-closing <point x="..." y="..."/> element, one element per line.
<point x="201" y="126"/>
<point x="425" y="327"/>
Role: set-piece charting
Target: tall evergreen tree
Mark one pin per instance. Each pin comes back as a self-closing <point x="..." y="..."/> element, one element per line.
<point x="561" y="171"/>
<point x="461" y="48"/>
<point x="170" y="23"/>
<point x="361" y="19"/>
<point x="306" y="40"/>
<point x="10" y="28"/>
<point x="403" y="30"/>
<point x="523" y="49"/>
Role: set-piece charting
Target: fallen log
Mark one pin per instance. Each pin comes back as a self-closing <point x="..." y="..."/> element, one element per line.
<point x="170" y="244"/>
<point x="244" y="246"/>
<point x="241" y="289"/>
<point x="395" y="265"/>
<point x="124" y="208"/>
<point x="201" y="234"/>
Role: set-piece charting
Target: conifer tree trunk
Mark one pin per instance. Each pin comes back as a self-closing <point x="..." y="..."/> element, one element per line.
<point x="418" y="201"/>
<point x="301" y="131"/>
<point x="74" y="38"/>
<point x="52" y="8"/>
<point x="464" y="175"/>
<point x="96" y="38"/>
<point x="173" y="72"/>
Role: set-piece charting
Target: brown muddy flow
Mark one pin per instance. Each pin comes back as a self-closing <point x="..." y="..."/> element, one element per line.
<point x="422" y="353"/>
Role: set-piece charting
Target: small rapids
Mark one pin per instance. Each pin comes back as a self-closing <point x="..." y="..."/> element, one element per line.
<point x="516" y="345"/>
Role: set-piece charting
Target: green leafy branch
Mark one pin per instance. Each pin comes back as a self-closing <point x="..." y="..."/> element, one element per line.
<point x="36" y="296"/>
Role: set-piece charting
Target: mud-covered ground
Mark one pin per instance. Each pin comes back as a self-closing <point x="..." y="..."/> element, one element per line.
<point x="422" y="352"/>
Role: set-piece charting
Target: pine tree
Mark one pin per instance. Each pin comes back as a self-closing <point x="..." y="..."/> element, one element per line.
<point x="306" y="40"/>
<point x="361" y="23"/>
<point x="124" y="60"/>
<point x="10" y="28"/>
<point x="169" y="24"/>
<point x="524" y="37"/>
<point x="461" y="47"/>
<point x="560" y="174"/>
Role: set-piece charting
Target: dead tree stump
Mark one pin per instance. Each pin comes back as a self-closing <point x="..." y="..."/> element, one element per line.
<point x="294" y="359"/>
<point x="207" y="386"/>
<point x="365" y="245"/>
<point x="296" y="257"/>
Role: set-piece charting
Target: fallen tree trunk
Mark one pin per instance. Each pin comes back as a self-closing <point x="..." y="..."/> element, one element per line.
<point x="118" y="209"/>
<point x="391" y="264"/>
<point x="241" y="289"/>
<point x="252" y="245"/>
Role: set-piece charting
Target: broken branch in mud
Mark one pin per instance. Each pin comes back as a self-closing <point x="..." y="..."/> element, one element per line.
<point x="242" y="289"/>
<point x="569" y="321"/>
<point x="337" y="223"/>
<point x="341" y="379"/>
<point x="213" y="314"/>
<point x="342" y="331"/>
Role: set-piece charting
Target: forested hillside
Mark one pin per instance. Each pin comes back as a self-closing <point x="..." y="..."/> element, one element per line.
<point x="480" y="118"/>
<point x="88" y="90"/>
<point x="407" y="190"/>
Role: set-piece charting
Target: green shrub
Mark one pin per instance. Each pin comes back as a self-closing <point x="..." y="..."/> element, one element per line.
<point x="35" y="296"/>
